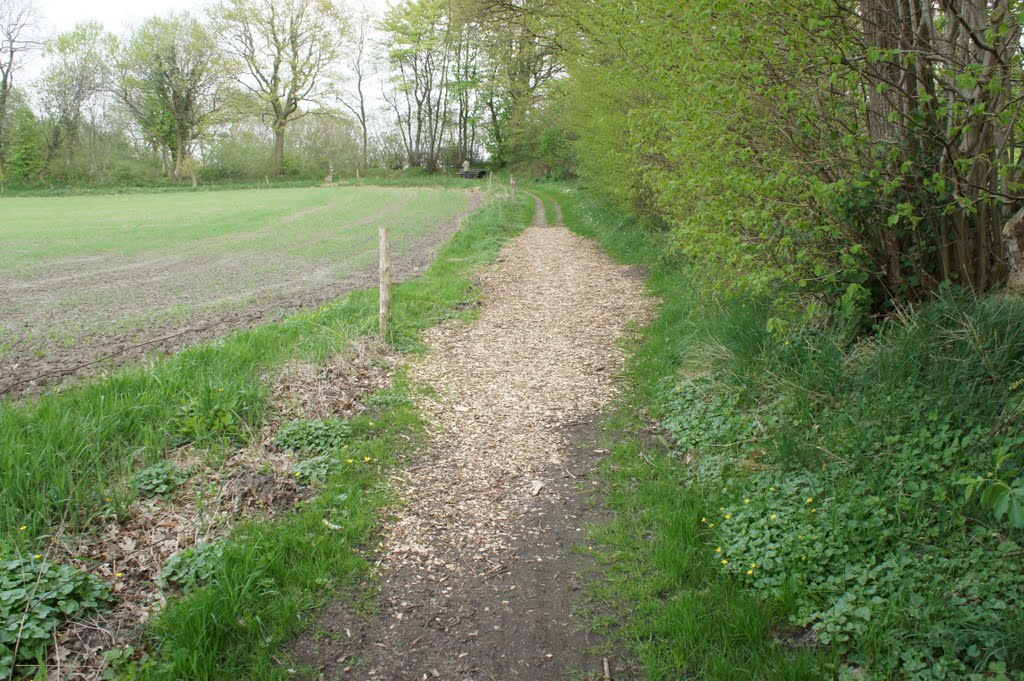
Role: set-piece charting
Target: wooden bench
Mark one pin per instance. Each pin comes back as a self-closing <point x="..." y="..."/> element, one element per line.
<point x="473" y="173"/>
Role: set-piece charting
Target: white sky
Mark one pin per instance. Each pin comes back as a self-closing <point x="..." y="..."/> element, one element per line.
<point x="117" y="15"/>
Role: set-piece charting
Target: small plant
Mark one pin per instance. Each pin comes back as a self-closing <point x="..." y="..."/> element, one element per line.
<point x="1002" y="491"/>
<point x="159" y="479"/>
<point x="37" y="596"/>
<point x="314" y="470"/>
<point x="313" y="436"/>
<point x="215" y="414"/>
<point x="388" y="399"/>
<point x="192" y="568"/>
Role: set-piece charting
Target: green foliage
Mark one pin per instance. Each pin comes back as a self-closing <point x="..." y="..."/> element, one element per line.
<point x="316" y="469"/>
<point x="159" y="479"/>
<point x="36" y="596"/>
<point x="314" y="436"/>
<point x="217" y="414"/>
<point x="193" y="567"/>
<point x="836" y="480"/>
<point x="26" y="151"/>
<point x="774" y="142"/>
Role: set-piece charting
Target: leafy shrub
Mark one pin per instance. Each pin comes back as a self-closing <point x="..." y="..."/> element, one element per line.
<point x="159" y="479"/>
<point x="313" y="436"/>
<point x="192" y="568"/>
<point x="36" y="596"/>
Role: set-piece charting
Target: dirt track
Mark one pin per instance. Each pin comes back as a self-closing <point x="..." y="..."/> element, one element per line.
<point x="479" y="573"/>
<point x="88" y="308"/>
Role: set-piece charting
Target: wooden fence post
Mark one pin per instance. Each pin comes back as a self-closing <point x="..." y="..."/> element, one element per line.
<point x="385" y="283"/>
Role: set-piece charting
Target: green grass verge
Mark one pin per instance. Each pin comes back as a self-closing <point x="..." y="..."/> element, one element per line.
<point x="808" y="517"/>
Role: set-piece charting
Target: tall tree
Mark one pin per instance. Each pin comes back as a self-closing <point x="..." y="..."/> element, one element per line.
<point x="169" y="76"/>
<point x="521" y="47"/>
<point x="285" y="52"/>
<point x="77" y="73"/>
<point x="360" y="67"/>
<point x="18" y="19"/>
<point x="418" y="39"/>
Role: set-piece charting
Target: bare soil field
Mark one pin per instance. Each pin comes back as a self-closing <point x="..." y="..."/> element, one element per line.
<point x="87" y="283"/>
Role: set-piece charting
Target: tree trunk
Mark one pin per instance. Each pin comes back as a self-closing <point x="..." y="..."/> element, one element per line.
<point x="278" y="147"/>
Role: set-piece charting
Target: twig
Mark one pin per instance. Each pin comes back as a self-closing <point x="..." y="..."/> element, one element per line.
<point x="607" y="670"/>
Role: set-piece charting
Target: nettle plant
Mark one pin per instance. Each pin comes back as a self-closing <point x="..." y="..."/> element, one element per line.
<point x="316" y="469"/>
<point x="160" y="479"/>
<point x="193" y="567"/>
<point x="37" y="596"/>
<point x="314" y="436"/>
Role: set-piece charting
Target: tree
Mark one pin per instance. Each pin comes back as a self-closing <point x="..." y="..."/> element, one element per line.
<point x="285" y="52"/>
<point x="359" y="64"/>
<point x="17" y="21"/>
<point x="76" y="74"/>
<point x="27" y="152"/>
<point x="170" y="75"/>
<point x="417" y="36"/>
<point x="520" y="46"/>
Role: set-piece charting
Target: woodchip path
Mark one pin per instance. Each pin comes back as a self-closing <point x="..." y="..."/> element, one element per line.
<point x="479" y="576"/>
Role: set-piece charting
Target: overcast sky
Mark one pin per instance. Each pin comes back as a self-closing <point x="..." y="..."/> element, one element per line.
<point x="116" y="15"/>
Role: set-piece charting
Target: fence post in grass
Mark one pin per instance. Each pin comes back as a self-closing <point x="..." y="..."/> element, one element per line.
<point x="385" y="283"/>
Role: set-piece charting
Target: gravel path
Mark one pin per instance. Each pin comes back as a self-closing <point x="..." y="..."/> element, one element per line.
<point x="479" y="572"/>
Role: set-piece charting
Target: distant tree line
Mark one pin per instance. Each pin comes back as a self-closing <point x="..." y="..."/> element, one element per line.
<point x="261" y="88"/>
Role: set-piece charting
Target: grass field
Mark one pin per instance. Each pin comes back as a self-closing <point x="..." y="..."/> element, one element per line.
<point x="82" y="276"/>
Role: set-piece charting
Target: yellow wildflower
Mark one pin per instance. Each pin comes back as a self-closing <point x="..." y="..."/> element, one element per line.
<point x="774" y="516"/>
<point x="771" y="489"/>
<point x="746" y="501"/>
<point x="718" y="550"/>
<point x="728" y="515"/>
<point x="119" y="575"/>
<point x="725" y="562"/>
<point x="750" y="572"/>
<point x="367" y="459"/>
<point x="23" y="528"/>
<point x="37" y="556"/>
<point x="703" y="520"/>
<point x="810" y="500"/>
<point x="753" y="565"/>
<point x="350" y="460"/>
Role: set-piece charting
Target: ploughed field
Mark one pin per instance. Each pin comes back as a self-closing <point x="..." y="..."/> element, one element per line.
<point x="97" y="279"/>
